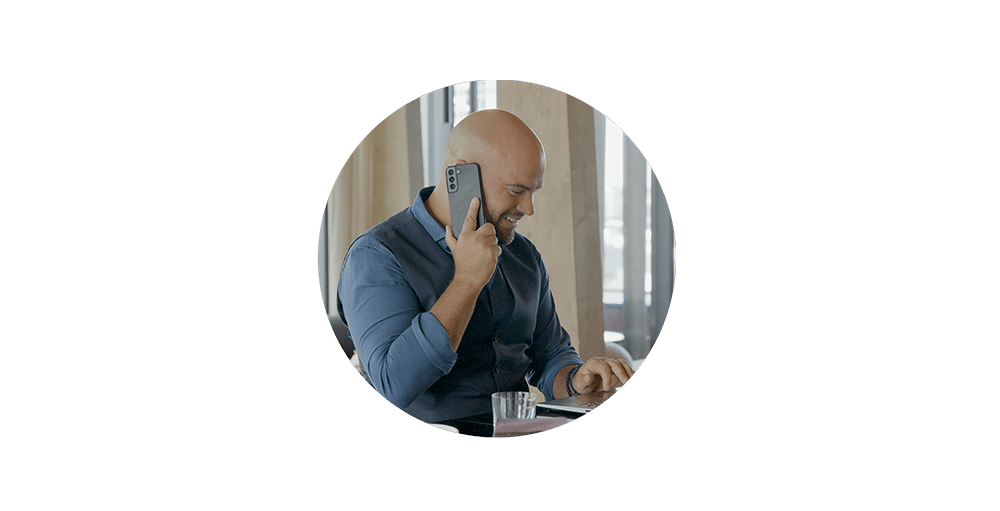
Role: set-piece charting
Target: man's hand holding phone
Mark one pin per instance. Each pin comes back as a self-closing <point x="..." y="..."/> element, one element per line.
<point x="475" y="250"/>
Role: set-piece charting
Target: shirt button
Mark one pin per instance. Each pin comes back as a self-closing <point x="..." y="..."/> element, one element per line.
<point x="498" y="369"/>
<point x="496" y="338"/>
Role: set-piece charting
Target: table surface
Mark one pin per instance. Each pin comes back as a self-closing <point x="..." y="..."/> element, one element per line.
<point x="482" y="424"/>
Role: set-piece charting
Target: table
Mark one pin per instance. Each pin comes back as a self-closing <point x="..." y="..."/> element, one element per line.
<point x="482" y="424"/>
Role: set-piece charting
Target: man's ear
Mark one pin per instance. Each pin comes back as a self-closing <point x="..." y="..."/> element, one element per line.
<point x="461" y="162"/>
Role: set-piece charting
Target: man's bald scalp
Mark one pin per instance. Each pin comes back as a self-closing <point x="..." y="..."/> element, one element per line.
<point x="486" y="131"/>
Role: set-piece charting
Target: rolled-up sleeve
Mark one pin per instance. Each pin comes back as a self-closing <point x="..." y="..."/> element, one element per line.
<point x="403" y="349"/>
<point x="551" y="349"/>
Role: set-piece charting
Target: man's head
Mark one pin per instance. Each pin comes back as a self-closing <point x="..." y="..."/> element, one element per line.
<point x="512" y="162"/>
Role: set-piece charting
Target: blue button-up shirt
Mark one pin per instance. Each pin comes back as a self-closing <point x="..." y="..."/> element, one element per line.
<point x="390" y="279"/>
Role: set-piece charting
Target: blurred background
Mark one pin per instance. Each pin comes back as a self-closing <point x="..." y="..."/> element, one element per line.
<point x="601" y="223"/>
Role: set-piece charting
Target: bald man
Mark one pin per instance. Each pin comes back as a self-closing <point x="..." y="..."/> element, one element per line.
<point x="440" y="323"/>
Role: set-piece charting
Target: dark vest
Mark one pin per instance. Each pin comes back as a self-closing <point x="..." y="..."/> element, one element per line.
<point x="494" y="354"/>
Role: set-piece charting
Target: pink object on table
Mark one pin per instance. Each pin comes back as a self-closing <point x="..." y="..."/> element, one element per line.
<point x="518" y="427"/>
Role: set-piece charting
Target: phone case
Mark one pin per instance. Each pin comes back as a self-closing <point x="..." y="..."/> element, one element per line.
<point x="463" y="184"/>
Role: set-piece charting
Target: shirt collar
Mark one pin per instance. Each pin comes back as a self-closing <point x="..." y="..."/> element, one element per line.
<point x="419" y="211"/>
<point x="430" y="225"/>
<point x="435" y="230"/>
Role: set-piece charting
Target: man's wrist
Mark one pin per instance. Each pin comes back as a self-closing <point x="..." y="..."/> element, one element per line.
<point x="570" y="388"/>
<point x="466" y="286"/>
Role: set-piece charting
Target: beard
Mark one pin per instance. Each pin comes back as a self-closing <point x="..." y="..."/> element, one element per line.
<point x="503" y="226"/>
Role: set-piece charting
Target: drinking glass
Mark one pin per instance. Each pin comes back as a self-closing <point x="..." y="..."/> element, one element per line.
<point x="513" y="405"/>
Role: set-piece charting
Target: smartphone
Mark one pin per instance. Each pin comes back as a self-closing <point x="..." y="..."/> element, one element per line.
<point x="463" y="184"/>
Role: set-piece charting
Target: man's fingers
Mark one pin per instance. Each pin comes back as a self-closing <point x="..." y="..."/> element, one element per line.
<point x="488" y="229"/>
<point x="588" y="381"/>
<point x="628" y="369"/>
<point x="449" y="237"/>
<point x="604" y="371"/>
<point x="618" y="368"/>
<point x="611" y="372"/>
<point x="615" y="379"/>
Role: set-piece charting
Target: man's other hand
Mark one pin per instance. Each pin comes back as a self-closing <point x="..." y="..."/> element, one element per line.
<point x="600" y="374"/>
<point x="475" y="250"/>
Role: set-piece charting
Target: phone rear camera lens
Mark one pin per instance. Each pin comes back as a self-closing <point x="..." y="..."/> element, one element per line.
<point x="452" y="179"/>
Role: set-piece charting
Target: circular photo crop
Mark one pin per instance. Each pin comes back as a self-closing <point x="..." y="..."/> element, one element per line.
<point x="496" y="259"/>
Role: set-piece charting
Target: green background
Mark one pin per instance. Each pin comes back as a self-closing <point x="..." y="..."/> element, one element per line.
<point x="830" y="171"/>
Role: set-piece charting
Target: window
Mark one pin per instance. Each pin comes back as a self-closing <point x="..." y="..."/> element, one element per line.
<point x="637" y="272"/>
<point x="472" y="96"/>
<point x="441" y="110"/>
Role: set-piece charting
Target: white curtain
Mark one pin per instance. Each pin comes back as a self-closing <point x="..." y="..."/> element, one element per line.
<point x="379" y="179"/>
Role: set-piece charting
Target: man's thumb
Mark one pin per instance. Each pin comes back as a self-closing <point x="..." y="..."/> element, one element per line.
<point x="472" y="219"/>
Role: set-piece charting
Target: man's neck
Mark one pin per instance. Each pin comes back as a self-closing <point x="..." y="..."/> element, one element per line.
<point x="437" y="207"/>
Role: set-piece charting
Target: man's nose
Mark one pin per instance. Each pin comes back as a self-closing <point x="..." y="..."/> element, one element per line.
<point x="527" y="204"/>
